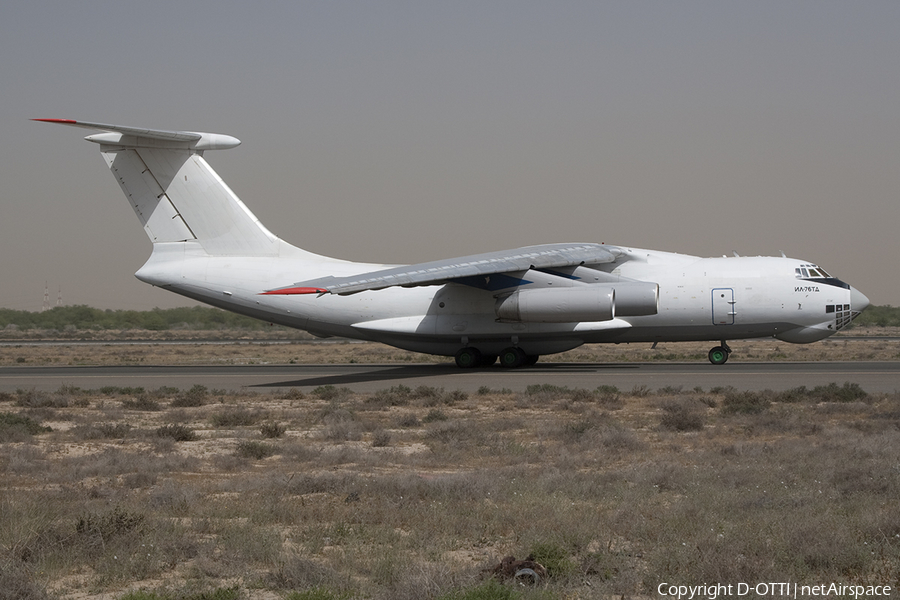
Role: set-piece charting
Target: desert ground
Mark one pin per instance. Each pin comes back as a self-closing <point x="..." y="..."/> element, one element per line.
<point x="413" y="493"/>
<point x="282" y="346"/>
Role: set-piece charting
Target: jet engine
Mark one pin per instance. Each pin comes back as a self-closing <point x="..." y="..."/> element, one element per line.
<point x="575" y="304"/>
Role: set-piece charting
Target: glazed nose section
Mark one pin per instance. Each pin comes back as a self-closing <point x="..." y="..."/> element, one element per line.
<point x="858" y="300"/>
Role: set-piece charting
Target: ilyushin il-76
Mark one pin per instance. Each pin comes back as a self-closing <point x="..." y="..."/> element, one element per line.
<point x="512" y="305"/>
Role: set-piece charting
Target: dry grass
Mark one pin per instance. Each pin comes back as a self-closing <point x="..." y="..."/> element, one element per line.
<point x="411" y="493"/>
<point x="296" y="348"/>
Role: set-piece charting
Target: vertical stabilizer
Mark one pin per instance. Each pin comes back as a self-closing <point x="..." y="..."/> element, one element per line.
<point x="174" y="192"/>
<point x="178" y="197"/>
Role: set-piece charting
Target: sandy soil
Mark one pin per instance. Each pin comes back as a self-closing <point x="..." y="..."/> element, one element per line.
<point x="288" y="347"/>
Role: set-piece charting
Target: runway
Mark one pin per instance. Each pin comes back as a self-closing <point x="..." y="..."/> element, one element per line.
<point x="871" y="376"/>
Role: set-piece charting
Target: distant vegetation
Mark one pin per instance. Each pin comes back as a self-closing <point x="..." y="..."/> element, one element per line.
<point x="86" y="318"/>
<point x="205" y="318"/>
<point x="882" y="316"/>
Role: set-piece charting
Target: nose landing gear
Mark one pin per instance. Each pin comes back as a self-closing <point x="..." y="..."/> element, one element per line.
<point x="719" y="354"/>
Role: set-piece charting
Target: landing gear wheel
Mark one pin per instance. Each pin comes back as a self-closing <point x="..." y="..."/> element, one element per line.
<point x="718" y="355"/>
<point x="487" y="360"/>
<point x="468" y="358"/>
<point x="512" y="358"/>
<point x="531" y="360"/>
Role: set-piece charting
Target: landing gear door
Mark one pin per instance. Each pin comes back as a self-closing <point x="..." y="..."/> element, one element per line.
<point x="723" y="306"/>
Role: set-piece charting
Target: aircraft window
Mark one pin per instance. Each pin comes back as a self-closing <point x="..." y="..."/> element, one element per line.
<point x="814" y="273"/>
<point x="805" y="273"/>
<point x="797" y="271"/>
<point x="824" y="274"/>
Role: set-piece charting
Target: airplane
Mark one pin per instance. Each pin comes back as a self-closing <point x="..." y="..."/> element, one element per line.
<point x="513" y="305"/>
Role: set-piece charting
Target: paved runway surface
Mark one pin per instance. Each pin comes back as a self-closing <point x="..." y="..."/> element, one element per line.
<point x="872" y="376"/>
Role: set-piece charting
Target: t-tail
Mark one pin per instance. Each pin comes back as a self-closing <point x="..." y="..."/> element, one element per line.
<point x="174" y="192"/>
<point x="207" y="245"/>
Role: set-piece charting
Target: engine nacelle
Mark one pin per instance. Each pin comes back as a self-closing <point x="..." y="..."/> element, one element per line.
<point x="636" y="299"/>
<point x="579" y="304"/>
<point x="559" y="305"/>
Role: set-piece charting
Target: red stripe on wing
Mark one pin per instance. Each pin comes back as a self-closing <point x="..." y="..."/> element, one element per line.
<point x="293" y="291"/>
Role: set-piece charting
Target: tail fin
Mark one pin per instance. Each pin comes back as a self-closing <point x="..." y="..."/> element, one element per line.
<point x="176" y="195"/>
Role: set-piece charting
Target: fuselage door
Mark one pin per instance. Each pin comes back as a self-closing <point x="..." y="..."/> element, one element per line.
<point x="723" y="306"/>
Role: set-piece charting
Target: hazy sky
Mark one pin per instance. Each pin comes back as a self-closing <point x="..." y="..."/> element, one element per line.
<point x="410" y="131"/>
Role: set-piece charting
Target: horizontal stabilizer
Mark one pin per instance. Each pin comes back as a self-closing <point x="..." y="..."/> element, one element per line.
<point x="139" y="137"/>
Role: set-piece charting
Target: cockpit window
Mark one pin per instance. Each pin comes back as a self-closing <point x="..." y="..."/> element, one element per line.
<point x="811" y="271"/>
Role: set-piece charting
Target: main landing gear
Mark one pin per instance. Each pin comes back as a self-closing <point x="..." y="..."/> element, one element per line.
<point x="510" y="358"/>
<point x="719" y="354"/>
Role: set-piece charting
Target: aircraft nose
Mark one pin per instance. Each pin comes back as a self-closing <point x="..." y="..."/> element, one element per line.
<point x="858" y="300"/>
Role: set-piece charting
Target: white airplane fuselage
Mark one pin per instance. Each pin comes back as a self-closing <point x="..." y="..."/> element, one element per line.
<point x="700" y="299"/>
<point x="515" y="305"/>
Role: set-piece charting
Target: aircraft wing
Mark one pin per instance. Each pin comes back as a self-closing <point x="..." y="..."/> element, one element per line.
<point x="546" y="256"/>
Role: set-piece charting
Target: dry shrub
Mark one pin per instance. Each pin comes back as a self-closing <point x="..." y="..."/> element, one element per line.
<point x="23" y="458"/>
<point x="332" y="483"/>
<point x="546" y="393"/>
<point x="246" y="542"/>
<point x="381" y="438"/>
<point x="255" y="450"/>
<point x="271" y="429"/>
<point x="343" y="431"/>
<point x="293" y="394"/>
<point x="832" y="392"/>
<point x="296" y="572"/>
<point x="681" y="415"/>
<point x="17" y="582"/>
<point x="139" y="480"/>
<point x="236" y="417"/>
<point x="408" y="420"/>
<point x="177" y="432"/>
<point x="435" y="414"/>
<point x="455" y="433"/>
<point x="780" y="422"/>
<point x="573" y="431"/>
<point x="95" y="530"/>
<point x="143" y="401"/>
<point x="747" y="402"/>
<point x="15" y="427"/>
<point x="331" y="393"/>
<point x="399" y="395"/>
<point x="640" y="391"/>
<point x="38" y="399"/>
<point x="196" y="396"/>
<point x="613" y="436"/>
<point x="335" y="412"/>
